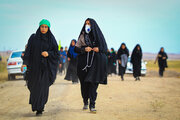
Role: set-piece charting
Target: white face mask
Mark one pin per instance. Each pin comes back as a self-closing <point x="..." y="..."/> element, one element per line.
<point x="87" y="28"/>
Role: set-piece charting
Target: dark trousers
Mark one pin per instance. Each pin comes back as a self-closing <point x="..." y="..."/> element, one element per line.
<point x="122" y="70"/>
<point x="61" y="69"/>
<point x="161" y="71"/>
<point x="88" y="91"/>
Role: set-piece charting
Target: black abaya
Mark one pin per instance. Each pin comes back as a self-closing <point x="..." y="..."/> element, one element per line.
<point x="136" y="61"/>
<point x="112" y="62"/>
<point x="42" y="70"/>
<point x="72" y="67"/>
<point x="162" y="62"/>
<point x="96" y="73"/>
<point x="122" y="69"/>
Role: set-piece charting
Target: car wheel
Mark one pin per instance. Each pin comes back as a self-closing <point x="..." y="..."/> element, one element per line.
<point x="13" y="77"/>
<point x="9" y="77"/>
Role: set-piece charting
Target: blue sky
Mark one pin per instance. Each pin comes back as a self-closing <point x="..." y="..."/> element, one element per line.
<point x="151" y="23"/>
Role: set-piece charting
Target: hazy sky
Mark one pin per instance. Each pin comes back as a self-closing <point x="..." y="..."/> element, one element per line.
<point x="152" y="23"/>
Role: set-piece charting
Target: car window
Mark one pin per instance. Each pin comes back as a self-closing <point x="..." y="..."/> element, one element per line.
<point x="16" y="54"/>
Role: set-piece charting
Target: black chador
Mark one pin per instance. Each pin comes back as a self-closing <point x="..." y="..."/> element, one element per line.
<point x="112" y="61"/>
<point x="136" y="61"/>
<point x="122" y="57"/>
<point x="162" y="61"/>
<point x="41" y="70"/>
<point x="92" y="66"/>
<point x="72" y="67"/>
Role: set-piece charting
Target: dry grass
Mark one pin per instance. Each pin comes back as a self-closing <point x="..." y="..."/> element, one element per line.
<point x="3" y="71"/>
<point x="156" y="105"/>
<point x="173" y="65"/>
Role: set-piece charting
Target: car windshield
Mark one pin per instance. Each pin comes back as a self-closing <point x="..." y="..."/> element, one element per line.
<point x="16" y="54"/>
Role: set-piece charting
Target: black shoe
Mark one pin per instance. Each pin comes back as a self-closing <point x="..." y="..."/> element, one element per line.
<point x="122" y="78"/>
<point x="74" y="82"/>
<point x="39" y="113"/>
<point x="136" y="79"/>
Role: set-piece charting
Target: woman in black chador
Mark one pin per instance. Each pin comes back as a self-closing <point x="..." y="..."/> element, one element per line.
<point x="162" y="61"/>
<point x="122" y="57"/>
<point x="109" y="64"/>
<point x="72" y="67"/>
<point x="136" y="61"/>
<point x="92" y="62"/>
<point x="112" y="61"/>
<point x="41" y="60"/>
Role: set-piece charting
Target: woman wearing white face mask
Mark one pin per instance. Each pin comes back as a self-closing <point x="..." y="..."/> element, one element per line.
<point x="92" y="62"/>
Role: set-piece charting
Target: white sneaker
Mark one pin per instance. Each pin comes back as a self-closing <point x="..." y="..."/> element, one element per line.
<point x="85" y="107"/>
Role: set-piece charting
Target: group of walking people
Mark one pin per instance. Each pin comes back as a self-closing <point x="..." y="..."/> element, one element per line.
<point x="88" y="60"/>
<point x="42" y="57"/>
<point x="120" y="59"/>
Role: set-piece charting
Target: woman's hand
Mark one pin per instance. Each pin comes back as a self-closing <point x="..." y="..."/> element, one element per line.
<point x="69" y="59"/>
<point x="159" y="55"/>
<point x="164" y="58"/>
<point x="119" y="61"/>
<point x="96" y="49"/>
<point x="88" y="49"/>
<point x="23" y="67"/>
<point x="60" y="65"/>
<point x="45" y="54"/>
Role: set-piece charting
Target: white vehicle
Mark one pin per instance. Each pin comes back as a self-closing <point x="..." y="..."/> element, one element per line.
<point x="14" y="64"/>
<point x="129" y="69"/>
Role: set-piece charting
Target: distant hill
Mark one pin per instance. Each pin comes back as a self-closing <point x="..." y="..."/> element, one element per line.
<point x="152" y="56"/>
<point x="146" y="56"/>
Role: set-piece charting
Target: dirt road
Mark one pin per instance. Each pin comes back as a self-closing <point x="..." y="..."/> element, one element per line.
<point x="152" y="98"/>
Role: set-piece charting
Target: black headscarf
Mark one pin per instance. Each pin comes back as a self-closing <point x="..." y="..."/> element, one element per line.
<point x="136" y="54"/>
<point x="95" y="35"/>
<point x="71" y="49"/>
<point x="97" y="73"/>
<point x="136" y="51"/>
<point x="160" y="52"/>
<point x="162" y="62"/>
<point x="42" y="70"/>
<point x="33" y="53"/>
<point x="122" y="51"/>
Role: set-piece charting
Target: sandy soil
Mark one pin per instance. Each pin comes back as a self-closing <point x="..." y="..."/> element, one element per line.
<point x="152" y="98"/>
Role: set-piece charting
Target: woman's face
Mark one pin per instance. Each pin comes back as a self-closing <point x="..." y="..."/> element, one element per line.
<point x="44" y="29"/>
<point x="123" y="46"/>
<point x="162" y="49"/>
<point x="73" y="43"/>
<point x="88" y="22"/>
<point x="138" y="48"/>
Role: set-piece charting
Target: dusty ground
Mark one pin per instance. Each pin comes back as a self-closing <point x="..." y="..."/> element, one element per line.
<point x="152" y="98"/>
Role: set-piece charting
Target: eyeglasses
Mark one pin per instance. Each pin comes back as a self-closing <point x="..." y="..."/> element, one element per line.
<point x="44" y="26"/>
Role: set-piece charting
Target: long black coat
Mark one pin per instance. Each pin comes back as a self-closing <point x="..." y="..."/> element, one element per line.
<point x="42" y="71"/>
<point x="72" y="68"/>
<point x="109" y="64"/>
<point x="162" y="62"/>
<point x="121" y="52"/>
<point x="112" y="62"/>
<point x="97" y="73"/>
<point x="136" y="61"/>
